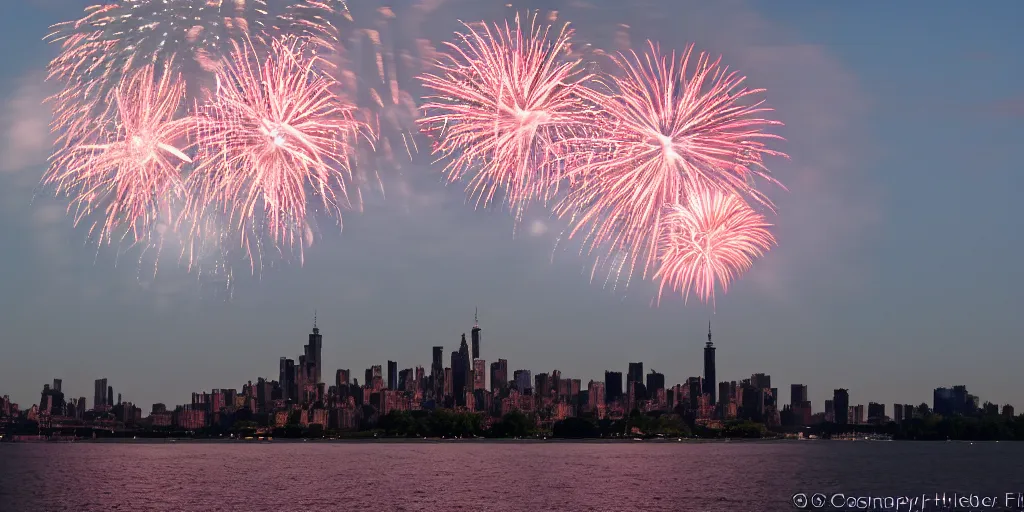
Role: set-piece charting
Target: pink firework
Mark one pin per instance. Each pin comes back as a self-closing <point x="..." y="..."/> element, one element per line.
<point x="714" y="237"/>
<point x="129" y="168"/>
<point x="505" y="105"/>
<point x="272" y="135"/>
<point x="666" y="133"/>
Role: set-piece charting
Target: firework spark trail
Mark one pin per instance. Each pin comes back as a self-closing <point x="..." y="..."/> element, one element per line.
<point x="270" y="130"/>
<point x="115" y="38"/>
<point x="344" y="38"/>
<point x="715" y="236"/>
<point x="505" y="104"/>
<point x="130" y="168"/>
<point x="666" y="134"/>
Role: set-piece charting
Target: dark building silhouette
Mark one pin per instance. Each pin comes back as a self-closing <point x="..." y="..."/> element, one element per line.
<point x="876" y="412"/>
<point x="636" y="376"/>
<point x="341" y="378"/>
<point x="636" y="372"/>
<point x="612" y="386"/>
<point x="475" y="335"/>
<point x="841" y="406"/>
<point x="696" y="386"/>
<point x="392" y="375"/>
<point x="314" y="353"/>
<point x="99" y="397"/>
<point x="655" y="381"/>
<point x="110" y="396"/>
<point x="499" y="374"/>
<point x="797" y="394"/>
<point x="405" y="379"/>
<point x="522" y="382"/>
<point x="541" y="384"/>
<point x="461" y="371"/>
<point x="466" y="360"/>
<point x="289" y="389"/>
<point x="437" y="373"/>
<point x="951" y="401"/>
<point x="725" y="392"/>
<point x="709" y="368"/>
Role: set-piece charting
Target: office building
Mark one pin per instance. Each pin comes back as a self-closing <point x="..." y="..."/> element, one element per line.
<point x="475" y="335"/>
<point x="841" y="406"/>
<point x="99" y="399"/>
<point x="709" y="368"/>
<point x="393" y="375"/>
<point x="499" y="374"/>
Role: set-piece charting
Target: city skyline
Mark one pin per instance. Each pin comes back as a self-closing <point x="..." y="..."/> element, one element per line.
<point x="868" y="278"/>
<point x="308" y="369"/>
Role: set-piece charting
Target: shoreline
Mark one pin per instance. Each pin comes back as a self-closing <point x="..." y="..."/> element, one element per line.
<point x="395" y="440"/>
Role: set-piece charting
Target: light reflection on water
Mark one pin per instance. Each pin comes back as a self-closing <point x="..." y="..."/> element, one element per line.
<point x="420" y="475"/>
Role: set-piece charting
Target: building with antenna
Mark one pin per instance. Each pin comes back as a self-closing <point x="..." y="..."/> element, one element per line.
<point x="475" y="333"/>
<point x="314" y="352"/>
<point x="710" y="385"/>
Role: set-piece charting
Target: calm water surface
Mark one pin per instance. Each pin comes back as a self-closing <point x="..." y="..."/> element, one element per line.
<point x="726" y="477"/>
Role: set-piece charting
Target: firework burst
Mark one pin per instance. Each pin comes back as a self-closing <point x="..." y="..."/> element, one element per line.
<point x="128" y="169"/>
<point x="667" y="133"/>
<point x="115" y="38"/>
<point x="273" y="137"/>
<point x="373" y="57"/>
<point x="504" y="104"/>
<point x="715" y="236"/>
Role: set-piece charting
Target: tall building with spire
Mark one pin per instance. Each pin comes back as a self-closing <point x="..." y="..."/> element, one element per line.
<point x="710" y="385"/>
<point x="313" y="353"/>
<point x="475" y="334"/>
<point x="462" y="373"/>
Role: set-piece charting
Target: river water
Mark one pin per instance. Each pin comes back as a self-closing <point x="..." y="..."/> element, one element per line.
<point x="499" y="476"/>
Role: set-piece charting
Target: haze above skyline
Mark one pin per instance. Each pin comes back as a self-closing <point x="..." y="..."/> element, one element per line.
<point x="897" y="269"/>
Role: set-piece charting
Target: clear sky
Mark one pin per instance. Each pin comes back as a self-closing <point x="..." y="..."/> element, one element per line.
<point x="898" y="268"/>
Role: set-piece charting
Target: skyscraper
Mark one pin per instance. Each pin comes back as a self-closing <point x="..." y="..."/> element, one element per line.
<point x="475" y="335"/>
<point x="466" y="359"/>
<point x="99" y="397"/>
<point x="595" y="397"/>
<point x="461" y="372"/>
<point x="480" y="375"/>
<point x="841" y="406"/>
<point x="392" y="375"/>
<point x="797" y="394"/>
<point x="289" y="390"/>
<point x="499" y="374"/>
<point x="110" y="396"/>
<point x="636" y="373"/>
<point x="709" y="368"/>
<point x="523" y="382"/>
<point x="655" y="381"/>
<point x="313" y="353"/>
<point x="405" y="379"/>
<point x="612" y="386"/>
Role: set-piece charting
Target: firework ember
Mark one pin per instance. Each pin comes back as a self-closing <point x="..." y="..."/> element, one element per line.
<point x="273" y="137"/>
<point x="130" y="168"/>
<point x="505" y="103"/>
<point x="667" y="133"/>
<point x="373" y="56"/>
<point x="715" y="236"/>
<point x="115" y="38"/>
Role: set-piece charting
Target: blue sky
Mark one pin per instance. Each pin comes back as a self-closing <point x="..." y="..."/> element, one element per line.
<point x="897" y="270"/>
